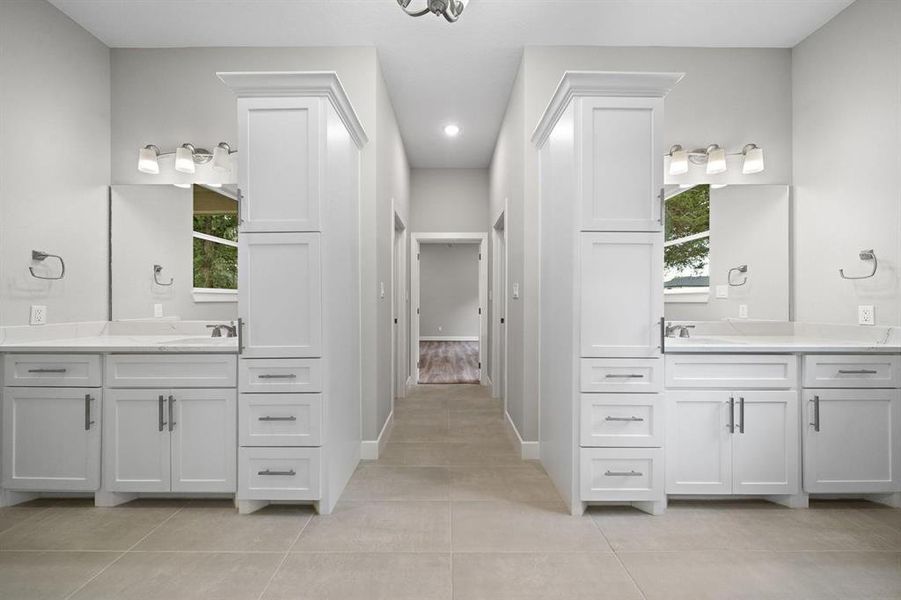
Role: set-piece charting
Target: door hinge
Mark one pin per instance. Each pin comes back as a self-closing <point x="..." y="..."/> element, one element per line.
<point x="480" y="364"/>
<point x="502" y="320"/>
<point x="395" y="320"/>
<point x="417" y="310"/>
<point x="417" y="256"/>
<point x="480" y="256"/>
<point x="480" y="310"/>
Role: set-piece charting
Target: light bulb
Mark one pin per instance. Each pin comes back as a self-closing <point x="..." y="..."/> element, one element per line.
<point x="147" y="160"/>
<point x="451" y="130"/>
<point x="716" y="160"/>
<point x="221" y="160"/>
<point x="678" y="160"/>
<point x="753" y="162"/>
<point x="184" y="159"/>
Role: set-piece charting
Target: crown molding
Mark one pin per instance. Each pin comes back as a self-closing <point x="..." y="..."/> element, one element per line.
<point x="603" y="84"/>
<point x="324" y="84"/>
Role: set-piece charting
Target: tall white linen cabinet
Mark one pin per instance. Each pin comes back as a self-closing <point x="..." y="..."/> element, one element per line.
<point x="600" y="144"/>
<point x="299" y="427"/>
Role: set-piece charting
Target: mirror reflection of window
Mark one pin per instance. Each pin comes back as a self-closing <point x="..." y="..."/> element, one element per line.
<point x="686" y="248"/>
<point x="215" y="240"/>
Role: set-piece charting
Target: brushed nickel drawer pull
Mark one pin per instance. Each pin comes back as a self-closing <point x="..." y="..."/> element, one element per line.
<point x="87" y="412"/>
<point x="816" y="413"/>
<point x="267" y="418"/>
<point x="285" y="376"/>
<point x="624" y="376"/>
<point x="47" y="370"/>
<point x="290" y="473"/>
<point x="635" y="419"/>
<point x="171" y="413"/>
<point x="623" y="474"/>
<point x="857" y="372"/>
<point x="162" y="418"/>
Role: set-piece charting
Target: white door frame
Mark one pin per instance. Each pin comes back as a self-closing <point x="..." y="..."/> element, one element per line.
<point x="447" y="238"/>
<point x="399" y="297"/>
<point x="499" y="308"/>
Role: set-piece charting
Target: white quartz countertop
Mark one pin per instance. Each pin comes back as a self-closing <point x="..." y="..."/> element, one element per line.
<point x="771" y="337"/>
<point x="117" y="337"/>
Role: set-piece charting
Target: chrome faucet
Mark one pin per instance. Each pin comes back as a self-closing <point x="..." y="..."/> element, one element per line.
<point x="682" y="329"/>
<point x="230" y="330"/>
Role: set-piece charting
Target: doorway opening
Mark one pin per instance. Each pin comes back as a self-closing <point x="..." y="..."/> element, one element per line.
<point x="449" y="308"/>
<point x="498" y="363"/>
<point x="400" y="300"/>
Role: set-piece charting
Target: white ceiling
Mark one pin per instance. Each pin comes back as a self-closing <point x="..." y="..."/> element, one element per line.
<point x="438" y="72"/>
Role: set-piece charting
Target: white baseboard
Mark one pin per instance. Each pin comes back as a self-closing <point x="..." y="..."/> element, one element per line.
<point x="527" y="450"/>
<point x="448" y="338"/>
<point x="372" y="449"/>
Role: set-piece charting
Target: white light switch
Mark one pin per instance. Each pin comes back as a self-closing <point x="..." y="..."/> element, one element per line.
<point x="866" y="314"/>
<point x="722" y="291"/>
<point x="381" y="289"/>
<point x="742" y="311"/>
<point x="516" y="291"/>
<point x="158" y="310"/>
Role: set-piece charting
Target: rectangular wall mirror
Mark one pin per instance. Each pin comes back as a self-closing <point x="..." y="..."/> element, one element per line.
<point x="726" y="253"/>
<point x="173" y="252"/>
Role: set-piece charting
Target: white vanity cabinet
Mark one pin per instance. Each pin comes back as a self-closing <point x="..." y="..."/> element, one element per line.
<point x="852" y="424"/>
<point x="601" y="305"/>
<point x="298" y="288"/>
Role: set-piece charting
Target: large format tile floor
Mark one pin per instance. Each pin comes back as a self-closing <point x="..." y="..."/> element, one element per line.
<point x="448" y="512"/>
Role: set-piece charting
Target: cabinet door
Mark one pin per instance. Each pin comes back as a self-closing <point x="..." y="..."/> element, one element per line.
<point x="622" y="294"/>
<point x="51" y="439"/>
<point x="279" y="288"/>
<point x="622" y="164"/>
<point x="203" y="436"/>
<point x="698" y="443"/>
<point x="855" y="450"/>
<point x="765" y="446"/>
<point x="136" y="441"/>
<point x="279" y="163"/>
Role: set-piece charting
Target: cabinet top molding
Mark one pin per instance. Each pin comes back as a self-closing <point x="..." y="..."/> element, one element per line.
<point x="323" y="84"/>
<point x="600" y="84"/>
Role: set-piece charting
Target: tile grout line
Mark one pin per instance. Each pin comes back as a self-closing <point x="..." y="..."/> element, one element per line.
<point x="284" y="558"/>
<point x="129" y="549"/>
<point x="618" y="559"/>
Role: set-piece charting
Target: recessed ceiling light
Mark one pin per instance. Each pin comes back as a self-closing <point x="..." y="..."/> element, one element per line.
<point x="451" y="130"/>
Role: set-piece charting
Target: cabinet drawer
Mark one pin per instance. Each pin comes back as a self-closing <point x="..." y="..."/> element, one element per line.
<point x="622" y="375"/>
<point x="852" y="371"/>
<point x="731" y="371"/>
<point x="622" y="420"/>
<point x="278" y="473"/>
<point x="52" y="370"/>
<point x="280" y="419"/>
<point x="171" y="370"/>
<point x="628" y="474"/>
<point x="280" y="375"/>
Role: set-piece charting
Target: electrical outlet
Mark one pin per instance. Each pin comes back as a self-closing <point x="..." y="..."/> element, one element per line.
<point x="722" y="291"/>
<point x="38" y="314"/>
<point x="158" y="310"/>
<point x="742" y="311"/>
<point x="866" y="314"/>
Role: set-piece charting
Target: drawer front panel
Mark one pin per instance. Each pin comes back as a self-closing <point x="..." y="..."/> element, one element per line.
<point x="731" y="371"/>
<point x="301" y="375"/>
<point x="627" y="474"/>
<point x="280" y="419"/>
<point x="622" y="420"/>
<point x="52" y="370"/>
<point x="278" y="473"/>
<point x="175" y="370"/>
<point x="622" y="375"/>
<point x="852" y="371"/>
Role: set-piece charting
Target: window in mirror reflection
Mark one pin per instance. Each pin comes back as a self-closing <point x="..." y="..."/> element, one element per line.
<point x="686" y="248"/>
<point x="215" y="240"/>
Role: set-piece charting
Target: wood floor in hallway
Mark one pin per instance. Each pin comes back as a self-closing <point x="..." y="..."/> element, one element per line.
<point x="448" y="362"/>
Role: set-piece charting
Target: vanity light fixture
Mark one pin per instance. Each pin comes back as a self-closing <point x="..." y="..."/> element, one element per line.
<point x="187" y="157"/>
<point x="678" y="160"/>
<point x="716" y="160"/>
<point x="148" y="160"/>
<point x="449" y="9"/>
<point x="713" y="157"/>
<point x="221" y="155"/>
<point x="451" y="130"/>
<point x="184" y="158"/>
<point x="753" y="159"/>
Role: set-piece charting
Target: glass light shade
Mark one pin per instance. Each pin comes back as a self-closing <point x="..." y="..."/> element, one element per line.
<point x="451" y="130"/>
<point x="678" y="162"/>
<point x="183" y="186"/>
<point x="221" y="161"/>
<point x="184" y="160"/>
<point x="716" y="161"/>
<point x="753" y="162"/>
<point x="147" y="161"/>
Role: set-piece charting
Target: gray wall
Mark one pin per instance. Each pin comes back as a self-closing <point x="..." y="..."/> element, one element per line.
<point x="847" y="164"/>
<point x="449" y="200"/>
<point x="54" y="163"/>
<point x="449" y="290"/>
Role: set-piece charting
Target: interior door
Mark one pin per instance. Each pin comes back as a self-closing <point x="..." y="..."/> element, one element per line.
<point x="622" y="294"/>
<point x="136" y="440"/>
<point x="51" y="438"/>
<point x="765" y="445"/>
<point x="279" y="291"/>
<point x="203" y="438"/>
<point x="848" y="442"/>
<point x="698" y="443"/>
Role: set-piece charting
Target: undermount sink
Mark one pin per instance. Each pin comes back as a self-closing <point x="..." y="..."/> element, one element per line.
<point x="202" y="341"/>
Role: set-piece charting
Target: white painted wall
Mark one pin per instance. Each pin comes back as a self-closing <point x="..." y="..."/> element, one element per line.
<point x="54" y="163"/>
<point x="749" y="224"/>
<point x="449" y="291"/>
<point x="847" y="163"/>
<point x="449" y="200"/>
<point x="152" y="224"/>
